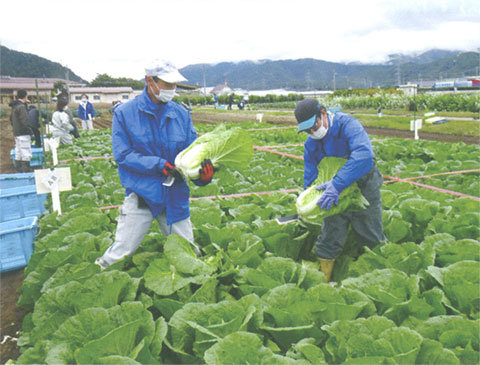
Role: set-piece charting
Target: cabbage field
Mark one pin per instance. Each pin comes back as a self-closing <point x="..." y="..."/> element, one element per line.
<point x="256" y="296"/>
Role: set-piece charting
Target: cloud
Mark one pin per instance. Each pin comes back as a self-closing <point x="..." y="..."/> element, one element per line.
<point x="120" y="37"/>
<point x="429" y="14"/>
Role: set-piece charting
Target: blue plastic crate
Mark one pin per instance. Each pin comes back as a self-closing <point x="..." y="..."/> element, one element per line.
<point x="37" y="156"/>
<point x="21" y="202"/>
<point x="16" y="242"/>
<point x="15" y="180"/>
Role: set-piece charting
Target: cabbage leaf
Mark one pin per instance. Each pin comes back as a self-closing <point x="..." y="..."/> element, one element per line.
<point x="351" y="199"/>
<point x="224" y="147"/>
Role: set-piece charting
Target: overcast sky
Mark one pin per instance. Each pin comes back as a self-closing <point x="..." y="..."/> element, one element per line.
<point x="120" y="37"/>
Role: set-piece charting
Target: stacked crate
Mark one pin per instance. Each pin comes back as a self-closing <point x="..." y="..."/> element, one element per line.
<point x="20" y="206"/>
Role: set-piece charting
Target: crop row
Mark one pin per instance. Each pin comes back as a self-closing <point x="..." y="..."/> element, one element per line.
<point x="256" y="295"/>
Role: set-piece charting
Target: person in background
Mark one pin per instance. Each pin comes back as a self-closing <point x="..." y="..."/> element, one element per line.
<point x="230" y="101"/>
<point x="21" y="132"/>
<point x="215" y="101"/>
<point x="241" y="104"/>
<point x="86" y="113"/>
<point x="74" y="132"/>
<point x="34" y="123"/>
<point x="340" y="135"/>
<point x="147" y="134"/>
<point x="245" y="99"/>
<point x="61" y="127"/>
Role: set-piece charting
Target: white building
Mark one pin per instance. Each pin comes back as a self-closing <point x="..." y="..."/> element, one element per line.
<point x="409" y="90"/>
<point x="10" y="85"/>
<point x="102" y="94"/>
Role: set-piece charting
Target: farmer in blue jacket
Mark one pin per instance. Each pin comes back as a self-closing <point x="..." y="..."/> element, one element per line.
<point x="86" y="112"/>
<point x="340" y="135"/>
<point x="147" y="134"/>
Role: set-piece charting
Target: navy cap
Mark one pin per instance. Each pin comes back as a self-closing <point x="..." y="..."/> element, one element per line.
<point x="306" y="113"/>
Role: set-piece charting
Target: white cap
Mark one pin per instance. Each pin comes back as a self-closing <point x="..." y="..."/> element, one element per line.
<point x="165" y="71"/>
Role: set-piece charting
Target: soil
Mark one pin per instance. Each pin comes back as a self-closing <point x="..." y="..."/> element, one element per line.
<point x="11" y="316"/>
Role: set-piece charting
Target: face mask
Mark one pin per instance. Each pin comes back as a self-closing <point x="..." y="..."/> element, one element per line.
<point x="84" y="101"/>
<point x="320" y="132"/>
<point x="163" y="95"/>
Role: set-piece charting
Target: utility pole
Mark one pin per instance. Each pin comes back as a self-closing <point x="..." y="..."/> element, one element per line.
<point x="308" y="79"/>
<point x="204" y="82"/>
<point x="399" y="76"/>
<point x="334" y="81"/>
<point x="68" y="82"/>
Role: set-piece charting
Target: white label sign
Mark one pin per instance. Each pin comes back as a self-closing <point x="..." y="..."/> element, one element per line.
<point x="51" y="180"/>
<point x="45" y="179"/>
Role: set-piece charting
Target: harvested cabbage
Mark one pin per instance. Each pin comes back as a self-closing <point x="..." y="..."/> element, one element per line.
<point x="224" y="147"/>
<point x="351" y="199"/>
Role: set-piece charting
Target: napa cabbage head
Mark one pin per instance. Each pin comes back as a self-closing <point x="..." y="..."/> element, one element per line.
<point x="351" y="198"/>
<point x="231" y="147"/>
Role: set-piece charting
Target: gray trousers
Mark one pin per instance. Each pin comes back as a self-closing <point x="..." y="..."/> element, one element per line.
<point x="134" y="223"/>
<point x="367" y="223"/>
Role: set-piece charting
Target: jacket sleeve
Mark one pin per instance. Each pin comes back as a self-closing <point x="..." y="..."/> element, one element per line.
<point x="126" y="156"/>
<point x="360" y="161"/>
<point x="311" y="158"/>
<point x="91" y="110"/>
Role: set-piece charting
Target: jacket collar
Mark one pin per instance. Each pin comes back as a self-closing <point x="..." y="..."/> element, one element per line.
<point x="147" y="105"/>
<point x="334" y="126"/>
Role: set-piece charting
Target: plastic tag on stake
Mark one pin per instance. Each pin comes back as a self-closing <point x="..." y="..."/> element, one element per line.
<point x="53" y="181"/>
<point x="52" y="145"/>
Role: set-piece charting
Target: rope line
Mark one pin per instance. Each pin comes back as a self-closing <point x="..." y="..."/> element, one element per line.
<point x="438" y="174"/>
<point x="446" y="191"/>
<point x="260" y="148"/>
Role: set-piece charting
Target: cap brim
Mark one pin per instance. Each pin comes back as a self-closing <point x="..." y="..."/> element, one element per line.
<point x="172" y="77"/>
<point x="308" y="124"/>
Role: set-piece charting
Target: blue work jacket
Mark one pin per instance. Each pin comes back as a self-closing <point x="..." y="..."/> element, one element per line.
<point x="345" y="138"/>
<point x="146" y="135"/>
<point x="83" y="112"/>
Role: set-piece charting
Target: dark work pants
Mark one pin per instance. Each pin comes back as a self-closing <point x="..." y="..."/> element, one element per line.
<point x="38" y="140"/>
<point x="367" y="223"/>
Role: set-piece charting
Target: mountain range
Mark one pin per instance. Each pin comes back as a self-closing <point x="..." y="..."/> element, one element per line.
<point x="299" y="74"/>
<point x="315" y="74"/>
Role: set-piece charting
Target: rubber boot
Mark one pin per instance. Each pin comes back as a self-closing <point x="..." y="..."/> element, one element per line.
<point x="26" y="166"/>
<point x="18" y="166"/>
<point x="326" y="266"/>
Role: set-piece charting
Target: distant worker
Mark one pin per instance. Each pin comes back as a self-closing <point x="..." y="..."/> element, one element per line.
<point x="245" y="99"/>
<point x="241" y="104"/>
<point x="21" y="132"/>
<point x="230" y="101"/>
<point x="74" y="132"/>
<point x="34" y="122"/>
<point x="215" y="101"/>
<point x="86" y="113"/>
<point x="148" y="132"/>
<point x="61" y="122"/>
<point x="340" y="135"/>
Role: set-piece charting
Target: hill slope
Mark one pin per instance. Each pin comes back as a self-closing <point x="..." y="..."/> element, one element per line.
<point x="20" y="64"/>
